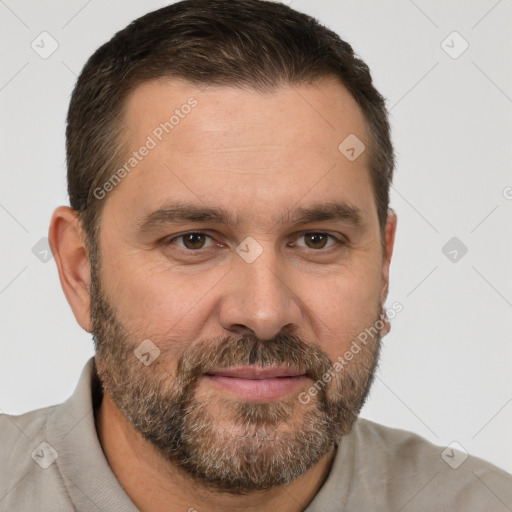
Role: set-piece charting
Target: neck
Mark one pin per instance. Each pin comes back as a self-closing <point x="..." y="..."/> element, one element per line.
<point x="154" y="484"/>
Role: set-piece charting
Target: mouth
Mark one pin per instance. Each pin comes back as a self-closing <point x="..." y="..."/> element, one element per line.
<point x="257" y="383"/>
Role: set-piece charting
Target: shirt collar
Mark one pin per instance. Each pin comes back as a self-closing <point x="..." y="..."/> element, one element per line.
<point x="84" y="468"/>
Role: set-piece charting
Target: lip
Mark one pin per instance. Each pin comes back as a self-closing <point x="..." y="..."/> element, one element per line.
<point x="257" y="373"/>
<point x="257" y="384"/>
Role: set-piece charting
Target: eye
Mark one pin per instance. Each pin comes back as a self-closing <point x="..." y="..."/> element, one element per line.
<point x="195" y="241"/>
<point x="192" y="241"/>
<point x="318" y="240"/>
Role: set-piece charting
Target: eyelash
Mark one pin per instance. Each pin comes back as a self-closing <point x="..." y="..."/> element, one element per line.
<point x="338" y="241"/>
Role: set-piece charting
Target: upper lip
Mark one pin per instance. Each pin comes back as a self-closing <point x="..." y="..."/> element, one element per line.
<point x="252" y="372"/>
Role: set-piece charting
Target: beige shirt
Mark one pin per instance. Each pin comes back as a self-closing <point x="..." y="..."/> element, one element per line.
<point x="51" y="460"/>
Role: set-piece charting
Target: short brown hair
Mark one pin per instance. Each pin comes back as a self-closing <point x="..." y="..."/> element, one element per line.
<point x="241" y="43"/>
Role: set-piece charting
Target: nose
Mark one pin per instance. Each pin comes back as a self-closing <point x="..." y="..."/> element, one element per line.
<point x="259" y="298"/>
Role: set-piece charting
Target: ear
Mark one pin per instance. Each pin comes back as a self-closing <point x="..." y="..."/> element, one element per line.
<point x="389" y="242"/>
<point x="67" y="241"/>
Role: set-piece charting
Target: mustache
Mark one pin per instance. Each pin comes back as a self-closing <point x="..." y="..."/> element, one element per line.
<point x="286" y="350"/>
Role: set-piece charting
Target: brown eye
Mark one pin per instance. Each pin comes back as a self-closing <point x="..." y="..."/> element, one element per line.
<point x="317" y="240"/>
<point x="191" y="241"/>
<point x="194" y="240"/>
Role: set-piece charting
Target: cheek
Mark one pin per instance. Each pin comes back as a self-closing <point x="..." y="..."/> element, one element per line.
<point x="158" y="301"/>
<point x="342" y="306"/>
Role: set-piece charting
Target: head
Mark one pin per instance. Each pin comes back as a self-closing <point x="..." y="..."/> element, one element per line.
<point x="229" y="165"/>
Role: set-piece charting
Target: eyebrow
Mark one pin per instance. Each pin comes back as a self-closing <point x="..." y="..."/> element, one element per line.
<point x="179" y="212"/>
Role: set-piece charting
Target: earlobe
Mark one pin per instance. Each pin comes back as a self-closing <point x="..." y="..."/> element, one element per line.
<point x="389" y="242"/>
<point x="68" y="245"/>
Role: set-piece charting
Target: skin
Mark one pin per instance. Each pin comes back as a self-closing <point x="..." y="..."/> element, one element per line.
<point x="259" y="155"/>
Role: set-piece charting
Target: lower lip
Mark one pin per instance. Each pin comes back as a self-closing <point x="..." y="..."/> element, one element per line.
<point x="258" y="389"/>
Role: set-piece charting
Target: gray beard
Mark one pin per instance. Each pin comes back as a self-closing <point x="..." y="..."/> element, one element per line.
<point x="270" y="444"/>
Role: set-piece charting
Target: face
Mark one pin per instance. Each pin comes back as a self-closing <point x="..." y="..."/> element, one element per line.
<point x="241" y="257"/>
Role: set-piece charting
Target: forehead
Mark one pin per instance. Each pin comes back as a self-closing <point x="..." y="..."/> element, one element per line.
<point x="227" y="146"/>
<point x="314" y="116"/>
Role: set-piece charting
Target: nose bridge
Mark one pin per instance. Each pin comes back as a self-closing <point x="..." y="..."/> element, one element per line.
<point x="259" y="297"/>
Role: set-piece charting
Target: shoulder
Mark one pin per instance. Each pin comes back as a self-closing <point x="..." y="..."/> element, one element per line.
<point x="20" y="432"/>
<point x="28" y="475"/>
<point x="415" y="474"/>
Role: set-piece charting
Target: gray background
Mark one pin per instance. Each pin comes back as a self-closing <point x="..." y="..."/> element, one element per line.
<point x="447" y="363"/>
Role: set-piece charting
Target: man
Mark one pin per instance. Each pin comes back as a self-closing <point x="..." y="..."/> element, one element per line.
<point x="228" y="246"/>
